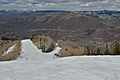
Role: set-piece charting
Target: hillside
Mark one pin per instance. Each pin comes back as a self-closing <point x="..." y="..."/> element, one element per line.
<point x="82" y="27"/>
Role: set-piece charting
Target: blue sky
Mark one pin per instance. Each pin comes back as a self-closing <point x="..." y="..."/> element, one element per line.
<point x="69" y="5"/>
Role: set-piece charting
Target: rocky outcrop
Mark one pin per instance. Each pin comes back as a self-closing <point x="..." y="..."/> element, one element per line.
<point x="6" y="54"/>
<point x="69" y="48"/>
<point x="45" y="43"/>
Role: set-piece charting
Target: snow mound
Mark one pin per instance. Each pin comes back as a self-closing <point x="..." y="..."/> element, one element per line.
<point x="32" y="54"/>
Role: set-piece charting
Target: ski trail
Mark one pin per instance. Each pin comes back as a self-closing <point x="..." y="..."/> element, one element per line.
<point x="36" y="65"/>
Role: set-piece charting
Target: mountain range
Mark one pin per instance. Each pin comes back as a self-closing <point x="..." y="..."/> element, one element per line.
<point x="80" y="26"/>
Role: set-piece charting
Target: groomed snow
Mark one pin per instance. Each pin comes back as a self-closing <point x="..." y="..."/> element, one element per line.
<point x="34" y="65"/>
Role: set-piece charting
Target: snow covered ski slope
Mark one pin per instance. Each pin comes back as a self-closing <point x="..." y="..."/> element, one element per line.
<point x="31" y="53"/>
<point x="34" y="65"/>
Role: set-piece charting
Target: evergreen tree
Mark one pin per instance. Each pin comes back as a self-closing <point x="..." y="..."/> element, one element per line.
<point x="116" y="48"/>
<point x="98" y="52"/>
<point x="106" y="50"/>
<point x="92" y="52"/>
<point x="88" y="50"/>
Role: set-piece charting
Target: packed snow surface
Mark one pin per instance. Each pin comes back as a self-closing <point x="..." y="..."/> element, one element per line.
<point x="35" y="65"/>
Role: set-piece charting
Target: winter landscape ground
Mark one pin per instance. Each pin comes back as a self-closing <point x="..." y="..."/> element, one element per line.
<point x="59" y="39"/>
<point x="32" y="64"/>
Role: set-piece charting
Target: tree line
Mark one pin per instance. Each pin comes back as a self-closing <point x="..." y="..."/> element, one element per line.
<point x="107" y="49"/>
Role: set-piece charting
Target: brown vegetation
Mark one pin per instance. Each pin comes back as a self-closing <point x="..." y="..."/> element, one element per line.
<point x="45" y="43"/>
<point x="5" y="45"/>
<point x="107" y="49"/>
<point x="69" y="48"/>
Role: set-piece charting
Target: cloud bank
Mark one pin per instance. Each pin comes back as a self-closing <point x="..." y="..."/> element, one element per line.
<point x="69" y="5"/>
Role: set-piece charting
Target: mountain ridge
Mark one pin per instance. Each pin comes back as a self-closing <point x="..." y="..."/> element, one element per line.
<point x="82" y="27"/>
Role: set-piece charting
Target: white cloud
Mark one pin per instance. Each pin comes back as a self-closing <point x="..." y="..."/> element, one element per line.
<point x="25" y="2"/>
<point x="3" y="2"/>
<point x="61" y="4"/>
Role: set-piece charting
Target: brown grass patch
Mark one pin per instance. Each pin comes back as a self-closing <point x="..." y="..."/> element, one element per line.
<point x="13" y="54"/>
<point x="69" y="48"/>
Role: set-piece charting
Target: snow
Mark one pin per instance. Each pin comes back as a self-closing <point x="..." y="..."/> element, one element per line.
<point x="33" y="54"/>
<point x="9" y="50"/>
<point x="35" y="65"/>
